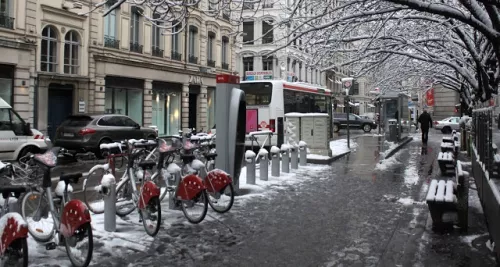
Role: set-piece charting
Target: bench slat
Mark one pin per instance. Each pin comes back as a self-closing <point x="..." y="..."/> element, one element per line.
<point x="449" y="196"/>
<point x="440" y="191"/>
<point x="431" y="194"/>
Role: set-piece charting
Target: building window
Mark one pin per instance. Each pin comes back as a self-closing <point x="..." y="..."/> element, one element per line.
<point x="110" y="39"/>
<point x="6" y="21"/>
<point x="193" y="32"/>
<point x="267" y="32"/>
<point x="225" y="49"/>
<point x="49" y="50"/>
<point x="247" y="65"/>
<point x="300" y="71"/>
<point x="210" y="49"/>
<point x="71" y="53"/>
<point x="176" y="28"/>
<point x="135" y="26"/>
<point x="166" y="108"/>
<point x="156" y="49"/>
<point x="6" y="83"/>
<point x="211" y="108"/>
<point x="248" y="32"/>
<point x="267" y="63"/>
<point x="124" y="101"/>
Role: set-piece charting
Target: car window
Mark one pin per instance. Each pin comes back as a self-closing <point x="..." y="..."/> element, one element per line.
<point x="128" y="122"/>
<point x="339" y="116"/>
<point x="9" y="120"/>
<point x="352" y="117"/>
<point x="107" y="121"/>
<point x="77" y="121"/>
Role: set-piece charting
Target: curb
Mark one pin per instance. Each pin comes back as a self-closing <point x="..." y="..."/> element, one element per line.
<point x="327" y="161"/>
<point x="392" y="152"/>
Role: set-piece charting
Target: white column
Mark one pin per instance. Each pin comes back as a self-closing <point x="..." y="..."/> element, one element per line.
<point x="185" y="107"/>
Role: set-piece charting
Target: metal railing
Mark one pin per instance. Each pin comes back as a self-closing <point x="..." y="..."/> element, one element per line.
<point x="6" y="22"/>
<point x="211" y="63"/>
<point x="193" y="59"/>
<point x="111" y="42"/>
<point x="225" y="66"/>
<point x="156" y="51"/>
<point x="225" y="16"/>
<point x="135" y="47"/>
<point x="176" y="55"/>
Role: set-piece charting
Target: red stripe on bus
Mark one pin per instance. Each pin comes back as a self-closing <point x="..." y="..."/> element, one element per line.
<point x="294" y="87"/>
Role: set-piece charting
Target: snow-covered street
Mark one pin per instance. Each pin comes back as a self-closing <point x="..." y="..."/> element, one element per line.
<point x="346" y="214"/>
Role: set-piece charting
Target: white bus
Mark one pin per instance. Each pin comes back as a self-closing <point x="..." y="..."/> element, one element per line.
<point x="269" y="100"/>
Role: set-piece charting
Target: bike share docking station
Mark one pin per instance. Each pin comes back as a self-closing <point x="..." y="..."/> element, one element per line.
<point x="230" y="120"/>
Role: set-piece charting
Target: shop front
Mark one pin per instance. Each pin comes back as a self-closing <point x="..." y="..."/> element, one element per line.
<point x="166" y="107"/>
<point x="124" y="96"/>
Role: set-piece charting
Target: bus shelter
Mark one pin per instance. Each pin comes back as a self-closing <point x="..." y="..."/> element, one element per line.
<point x="395" y="115"/>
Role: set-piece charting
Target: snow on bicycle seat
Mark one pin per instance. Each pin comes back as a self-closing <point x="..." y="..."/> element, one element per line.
<point x="163" y="147"/>
<point x="49" y="158"/>
<point x="195" y="138"/>
<point x="71" y="178"/>
<point x="147" y="164"/>
<point x="113" y="147"/>
<point x="142" y="143"/>
<point x="7" y="190"/>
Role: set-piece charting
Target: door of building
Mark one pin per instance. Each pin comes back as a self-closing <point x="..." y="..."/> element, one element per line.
<point x="60" y="106"/>
<point x="192" y="110"/>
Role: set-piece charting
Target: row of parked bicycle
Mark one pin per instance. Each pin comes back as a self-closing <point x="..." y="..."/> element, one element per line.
<point x="180" y="167"/>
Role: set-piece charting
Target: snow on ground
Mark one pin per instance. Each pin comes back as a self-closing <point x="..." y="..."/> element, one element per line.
<point x="338" y="147"/>
<point x="387" y="163"/>
<point x="130" y="236"/>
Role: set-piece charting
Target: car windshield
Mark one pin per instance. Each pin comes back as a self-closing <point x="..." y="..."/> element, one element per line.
<point x="77" y="121"/>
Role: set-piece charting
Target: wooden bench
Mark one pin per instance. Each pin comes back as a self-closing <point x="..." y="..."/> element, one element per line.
<point x="447" y="147"/>
<point x="449" y="196"/>
<point x="446" y="161"/>
<point x="447" y="139"/>
<point x="496" y="166"/>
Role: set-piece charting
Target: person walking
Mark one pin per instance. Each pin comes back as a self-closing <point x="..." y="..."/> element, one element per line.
<point x="425" y="121"/>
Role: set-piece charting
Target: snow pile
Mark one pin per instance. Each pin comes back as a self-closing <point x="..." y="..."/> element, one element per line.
<point x="339" y="147"/>
<point x="60" y="188"/>
<point x="302" y="144"/>
<point x="197" y="164"/>
<point x="249" y="156"/>
<point x="320" y="157"/>
<point x="387" y="163"/>
<point x="108" y="180"/>
<point x="411" y="172"/>
<point x="275" y="150"/>
<point x="263" y="152"/>
<point x="291" y="136"/>
<point x="173" y="168"/>
<point x="285" y="148"/>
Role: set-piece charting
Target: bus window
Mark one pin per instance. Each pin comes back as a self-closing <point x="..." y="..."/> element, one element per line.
<point x="257" y="93"/>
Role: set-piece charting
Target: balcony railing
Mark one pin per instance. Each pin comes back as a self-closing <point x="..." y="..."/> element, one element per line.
<point x="111" y="42"/>
<point x="193" y="59"/>
<point x="176" y="56"/>
<point x="135" y="47"/>
<point x="211" y="63"/>
<point x="6" y="21"/>
<point x="225" y="66"/>
<point x="156" y="51"/>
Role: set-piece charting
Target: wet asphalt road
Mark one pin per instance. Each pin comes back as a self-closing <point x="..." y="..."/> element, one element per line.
<point x="347" y="215"/>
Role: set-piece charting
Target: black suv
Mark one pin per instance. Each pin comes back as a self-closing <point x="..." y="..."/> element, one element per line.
<point x="340" y="122"/>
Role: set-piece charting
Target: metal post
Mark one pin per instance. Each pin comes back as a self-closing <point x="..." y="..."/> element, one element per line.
<point x="303" y="153"/>
<point x="264" y="164"/>
<point x="173" y="179"/>
<point x="285" y="158"/>
<point x="108" y="187"/>
<point x="275" y="161"/>
<point x="250" y="160"/>
<point x="347" y="112"/>
<point x="295" y="157"/>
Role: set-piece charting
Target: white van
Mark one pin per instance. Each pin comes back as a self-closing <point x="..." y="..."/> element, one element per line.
<point x="16" y="136"/>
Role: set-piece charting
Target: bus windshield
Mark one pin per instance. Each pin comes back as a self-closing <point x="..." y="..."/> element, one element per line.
<point x="257" y="93"/>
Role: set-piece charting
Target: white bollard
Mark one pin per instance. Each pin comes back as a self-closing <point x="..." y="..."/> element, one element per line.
<point x="295" y="157"/>
<point x="285" y="161"/>
<point x="303" y="153"/>
<point x="108" y="189"/>
<point x="275" y="161"/>
<point x="264" y="163"/>
<point x="250" y="160"/>
<point x="172" y="176"/>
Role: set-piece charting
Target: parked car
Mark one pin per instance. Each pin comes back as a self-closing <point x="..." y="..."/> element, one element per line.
<point x="16" y="137"/>
<point x="88" y="132"/>
<point x="340" y="122"/>
<point x="447" y="125"/>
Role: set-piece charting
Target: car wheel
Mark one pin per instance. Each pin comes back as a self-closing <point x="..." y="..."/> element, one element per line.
<point x="446" y="130"/>
<point x="367" y="128"/>
<point x="26" y="150"/>
<point x="336" y="128"/>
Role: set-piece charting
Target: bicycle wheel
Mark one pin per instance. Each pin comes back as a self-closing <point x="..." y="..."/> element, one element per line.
<point x="82" y="237"/>
<point x="199" y="203"/>
<point x="92" y="191"/>
<point x="125" y="203"/>
<point x="159" y="180"/>
<point x="35" y="210"/>
<point x="151" y="216"/>
<point x="16" y="255"/>
<point x="222" y="201"/>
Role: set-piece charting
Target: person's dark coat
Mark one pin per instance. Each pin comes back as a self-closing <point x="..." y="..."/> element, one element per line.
<point x="425" y="121"/>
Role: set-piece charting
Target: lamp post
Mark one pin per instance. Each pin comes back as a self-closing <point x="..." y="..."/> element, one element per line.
<point x="347" y="83"/>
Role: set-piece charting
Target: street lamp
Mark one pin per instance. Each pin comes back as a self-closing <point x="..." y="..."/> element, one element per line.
<point x="347" y="83"/>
